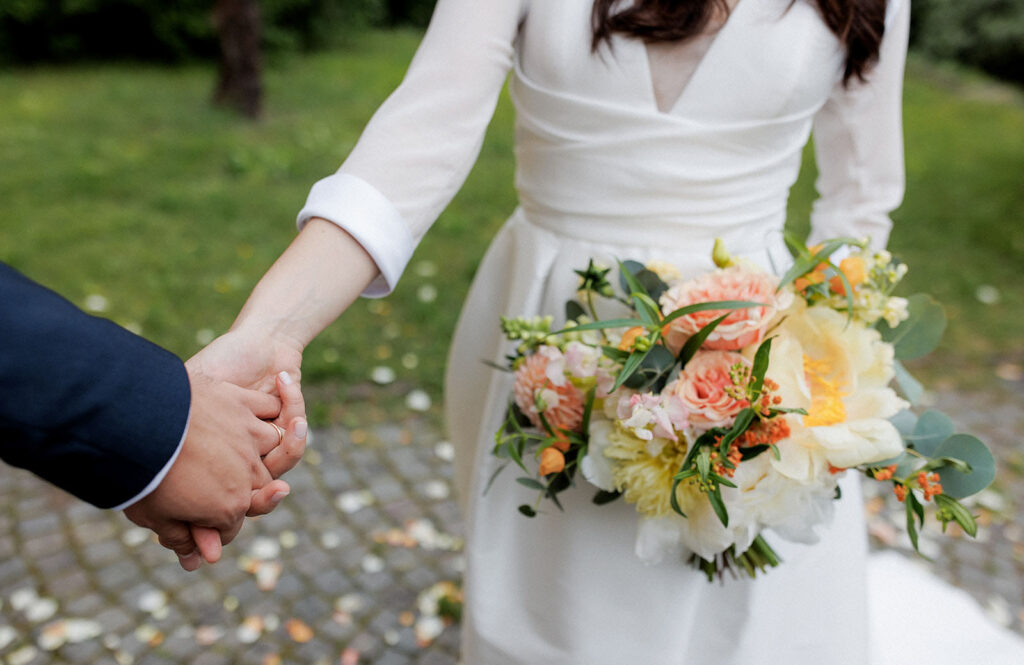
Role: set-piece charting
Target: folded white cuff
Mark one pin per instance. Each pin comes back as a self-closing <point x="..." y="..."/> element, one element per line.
<point x="368" y="216"/>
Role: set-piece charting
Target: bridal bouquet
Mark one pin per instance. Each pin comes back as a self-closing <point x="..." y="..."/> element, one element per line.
<point x="728" y="405"/>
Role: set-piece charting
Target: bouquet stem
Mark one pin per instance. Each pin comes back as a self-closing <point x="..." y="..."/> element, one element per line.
<point x="758" y="557"/>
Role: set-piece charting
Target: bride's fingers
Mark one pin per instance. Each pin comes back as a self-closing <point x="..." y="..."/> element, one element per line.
<point x="287" y="455"/>
<point x="266" y="498"/>
<point x="207" y="542"/>
<point x="263" y="405"/>
<point x="293" y="405"/>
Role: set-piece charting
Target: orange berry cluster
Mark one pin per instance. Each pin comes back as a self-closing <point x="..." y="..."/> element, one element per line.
<point x="884" y="474"/>
<point x="734" y="457"/>
<point x="929" y="483"/>
<point x="765" y="432"/>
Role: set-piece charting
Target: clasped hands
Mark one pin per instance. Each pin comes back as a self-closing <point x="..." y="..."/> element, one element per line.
<point x="247" y="427"/>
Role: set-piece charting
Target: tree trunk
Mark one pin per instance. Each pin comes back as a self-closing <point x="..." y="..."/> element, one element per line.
<point x="239" y="84"/>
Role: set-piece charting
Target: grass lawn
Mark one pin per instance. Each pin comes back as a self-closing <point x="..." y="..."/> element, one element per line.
<point x="122" y="188"/>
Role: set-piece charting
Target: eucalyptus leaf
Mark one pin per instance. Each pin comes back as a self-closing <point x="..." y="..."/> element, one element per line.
<point x="905" y="421"/>
<point x="971" y="450"/>
<point x="920" y="333"/>
<point x="908" y="385"/>
<point x="932" y="428"/>
<point x="527" y="510"/>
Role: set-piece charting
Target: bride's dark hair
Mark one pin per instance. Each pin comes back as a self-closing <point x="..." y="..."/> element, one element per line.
<point x="859" y="24"/>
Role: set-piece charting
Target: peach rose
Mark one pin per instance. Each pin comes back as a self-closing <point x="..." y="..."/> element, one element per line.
<point x="744" y="327"/>
<point x="702" y="387"/>
<point x="562" y="401"/>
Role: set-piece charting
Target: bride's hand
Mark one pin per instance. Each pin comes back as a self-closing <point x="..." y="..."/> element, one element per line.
<point x="261" y="363"/>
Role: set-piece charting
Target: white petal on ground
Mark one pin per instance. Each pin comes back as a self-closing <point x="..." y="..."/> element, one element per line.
<point x="987" y="294"/>
<point x="265" y="548"/>
<point x="382" y="375"/>
<point x="204" y="336"/>
<point x="350" y="502"/>
<point x="23" y="656"/>
<point x="350" y="602"/>
<point x="330" y="540"/>
<point x="22" y="598"/>
<point x="444" y="450"/>
<point x="208" y="635"/>
<point x="41" y="609"/>
<point x="372" y="563"/>
<point x="94" y="302"/>
<point x="250" y="630"/>
<point x="436" y="490"/>
<point x="417" y="400"/>
<point x="7" y="635"/>
<point x="152" y="601"/>
<point x="426" y="293"/>
<point x="135" y="536"/>
<point x="288" y="539"/>
<point x="428" y="628"/>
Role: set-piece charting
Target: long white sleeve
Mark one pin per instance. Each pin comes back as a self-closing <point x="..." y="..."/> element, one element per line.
<point x="422" y="142"/>
<point x="858" y="141"/>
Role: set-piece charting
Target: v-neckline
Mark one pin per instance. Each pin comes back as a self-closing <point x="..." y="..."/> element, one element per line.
<point x="697" y="69"/>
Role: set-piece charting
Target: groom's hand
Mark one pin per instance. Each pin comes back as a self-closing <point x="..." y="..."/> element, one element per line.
<point x="219" y="473"/>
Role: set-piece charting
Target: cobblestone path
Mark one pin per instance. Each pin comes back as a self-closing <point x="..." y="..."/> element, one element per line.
<point x="356" y="565"/>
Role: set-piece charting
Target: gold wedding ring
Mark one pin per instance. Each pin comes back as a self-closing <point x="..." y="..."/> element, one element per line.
<point x="280" y="433"/>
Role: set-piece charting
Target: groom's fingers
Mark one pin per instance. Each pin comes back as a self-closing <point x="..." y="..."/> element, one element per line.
<point x="287" y="455"/>
<point x="176" y="537"/>
<point x="207" y="542"/>
<point x="266" y="498"/>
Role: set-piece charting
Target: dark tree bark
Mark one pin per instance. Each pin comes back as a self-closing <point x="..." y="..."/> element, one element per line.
<point x="240" y="84"/>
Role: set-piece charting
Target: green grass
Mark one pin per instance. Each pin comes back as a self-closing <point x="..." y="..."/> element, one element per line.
<point x="122" y="181"/>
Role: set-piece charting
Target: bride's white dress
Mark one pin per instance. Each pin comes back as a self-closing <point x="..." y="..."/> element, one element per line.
<point x="604" y="173"/>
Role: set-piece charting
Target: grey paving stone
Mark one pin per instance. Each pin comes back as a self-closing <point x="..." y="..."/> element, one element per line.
<point x="83" y="652"/>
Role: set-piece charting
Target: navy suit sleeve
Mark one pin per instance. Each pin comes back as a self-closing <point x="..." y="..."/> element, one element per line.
<point x="85" y="404"/>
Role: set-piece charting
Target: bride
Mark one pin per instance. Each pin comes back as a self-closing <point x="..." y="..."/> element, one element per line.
<point x="644" y="131"/>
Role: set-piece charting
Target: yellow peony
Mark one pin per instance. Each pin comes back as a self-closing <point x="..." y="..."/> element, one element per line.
<point x="839" y="371"/>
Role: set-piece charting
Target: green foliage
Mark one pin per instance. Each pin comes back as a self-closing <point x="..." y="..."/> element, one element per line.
<point x="985" y="33"/>
<point x="61" y="30"/>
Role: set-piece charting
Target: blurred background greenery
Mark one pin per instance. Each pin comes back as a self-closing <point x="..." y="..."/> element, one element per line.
<point x="124" y="189"/>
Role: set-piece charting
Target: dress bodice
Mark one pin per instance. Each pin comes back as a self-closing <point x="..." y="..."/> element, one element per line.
<point x="594" y="153"/>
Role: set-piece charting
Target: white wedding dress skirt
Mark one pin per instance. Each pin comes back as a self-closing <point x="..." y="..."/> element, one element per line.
<point x="567" y="588"/>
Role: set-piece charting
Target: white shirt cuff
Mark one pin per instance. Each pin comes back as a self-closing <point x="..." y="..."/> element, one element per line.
<point x="368" y="216"/>
<point x="158" y="478"/>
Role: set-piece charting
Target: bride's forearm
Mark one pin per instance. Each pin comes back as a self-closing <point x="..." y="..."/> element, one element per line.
<point x="309" y="286"/>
